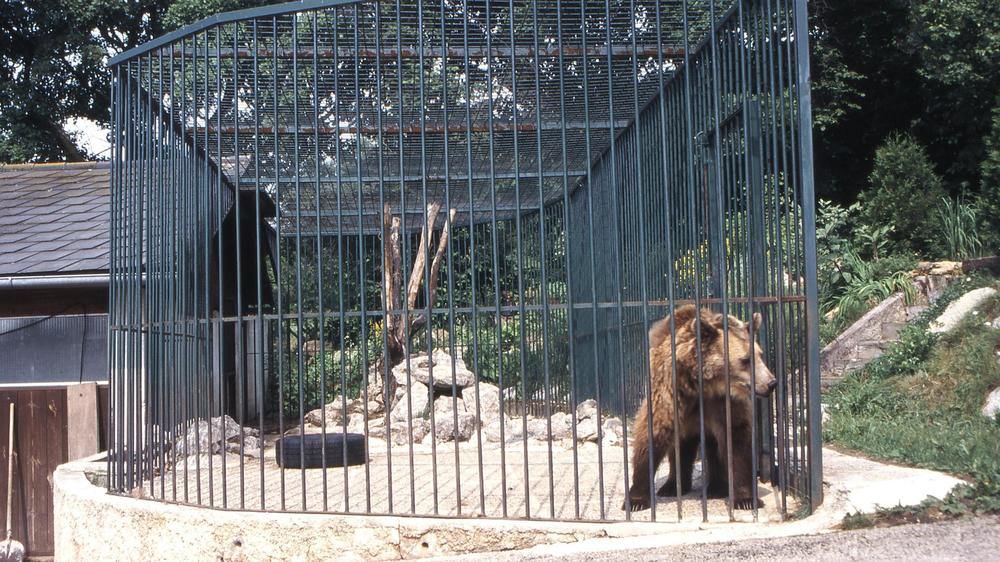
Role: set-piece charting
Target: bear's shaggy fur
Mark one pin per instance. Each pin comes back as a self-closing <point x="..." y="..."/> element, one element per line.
<point x="742" y="353"/>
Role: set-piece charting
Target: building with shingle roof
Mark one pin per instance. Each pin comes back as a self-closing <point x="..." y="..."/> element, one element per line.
<point x="54" y="219"/>
<point x="54" y="272"/>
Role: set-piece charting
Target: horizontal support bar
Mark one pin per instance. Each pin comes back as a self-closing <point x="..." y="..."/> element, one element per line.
<point x="248" y="182"/>
<point x="498" y="127"/>
<point x="506" y="310"/>
<point x="391" y="52"/>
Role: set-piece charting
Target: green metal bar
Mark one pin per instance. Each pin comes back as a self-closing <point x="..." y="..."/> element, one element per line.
<point x="361" y="264"/>
<point x="240" y="346"/>
<point x="386" y="368"/>
<point x="448" y="258"/>
<point x="405" y="250"/>
<point x="574" y="399"/>
<point x="258" y="260"/>
<point x="496" y="265"/>
<point x="544" y="279"/>
<point x="299" y="324"/>
<point x="804" y="100"/>
<point x="472" y="251"/>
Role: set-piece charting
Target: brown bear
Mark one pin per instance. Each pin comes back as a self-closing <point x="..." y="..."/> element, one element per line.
<point x="743" y="352"/>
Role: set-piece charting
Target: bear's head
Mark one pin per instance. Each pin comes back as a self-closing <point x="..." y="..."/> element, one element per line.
<point x="748" y="373"/>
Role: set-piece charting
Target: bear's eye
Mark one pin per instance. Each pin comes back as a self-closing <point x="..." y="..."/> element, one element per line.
<point x="745" y="361"/>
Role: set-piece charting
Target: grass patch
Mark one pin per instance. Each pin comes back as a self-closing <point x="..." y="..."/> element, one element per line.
<point x="919" y="404"/>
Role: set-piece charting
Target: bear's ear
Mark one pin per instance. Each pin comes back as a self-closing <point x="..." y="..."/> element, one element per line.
<point x="709" y="326"/>
<point x="756" y="321"/>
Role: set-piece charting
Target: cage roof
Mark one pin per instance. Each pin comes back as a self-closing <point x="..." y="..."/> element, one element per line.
<point x="335" y="108"/>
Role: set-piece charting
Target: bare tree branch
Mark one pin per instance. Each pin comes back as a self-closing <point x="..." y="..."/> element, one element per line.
<point x="417" y="274"/>
<point x="439" y="255"/>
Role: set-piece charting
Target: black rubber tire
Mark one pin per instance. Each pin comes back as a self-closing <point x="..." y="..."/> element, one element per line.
<point x="306" y="451"/>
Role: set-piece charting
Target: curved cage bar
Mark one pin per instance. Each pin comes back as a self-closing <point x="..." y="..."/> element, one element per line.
<point x="448" y="227"/>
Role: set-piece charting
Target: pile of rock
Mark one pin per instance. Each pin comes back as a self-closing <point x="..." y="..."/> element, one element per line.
<point x="444" y="385"/>
<point x="215" y="436"/>
<point x="438" y="381"/>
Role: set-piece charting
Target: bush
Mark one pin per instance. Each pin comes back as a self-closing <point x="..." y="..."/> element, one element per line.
<point x="904" y="193"/>
<point x="349" y="362"/>
<point x="989" y="197"/>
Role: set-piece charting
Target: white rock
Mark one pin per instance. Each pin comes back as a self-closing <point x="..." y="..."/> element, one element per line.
<point x="586" y="409"/>
<point x="489" y="403"/>
<point x="958" y="309"/>
<point x="251" y="447"/>
<point x="992" y="407"/>
<point x="401" y="434"/>
<point x="333" y="412"/>
<point x="412" y="401"/>
<point x="561" y="427"/>
<point x="207" y="437"/>
<point x="440" y="365"/>
<point x="611" y="432"/>
<point x="513" y="431"/>
<point x="995" y="323"/>
<point x="447" y="404"/>
<point x="824" y="414"/>
<point x="446" y="429"/>
<point x="356" y="423"/>
<point x="586" y="430"/>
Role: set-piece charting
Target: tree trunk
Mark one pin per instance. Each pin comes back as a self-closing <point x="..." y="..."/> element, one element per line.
<point x="399" y="330"/>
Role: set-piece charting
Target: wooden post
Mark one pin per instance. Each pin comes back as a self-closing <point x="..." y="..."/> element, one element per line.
<point x="81" y="416"/>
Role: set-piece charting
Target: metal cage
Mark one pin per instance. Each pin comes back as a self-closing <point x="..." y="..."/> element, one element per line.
<point x="554" y="175"/>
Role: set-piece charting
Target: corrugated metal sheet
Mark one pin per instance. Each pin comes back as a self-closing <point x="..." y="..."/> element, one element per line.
<point x="54" y="349"/>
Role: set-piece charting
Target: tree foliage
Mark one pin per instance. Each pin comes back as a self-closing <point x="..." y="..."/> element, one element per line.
<point x="924" y="67"/>
<point x="53" y="56"/>
<point x="989" y="198"/>
<point x="958" y="48"/>
<point x="905" y="191"/>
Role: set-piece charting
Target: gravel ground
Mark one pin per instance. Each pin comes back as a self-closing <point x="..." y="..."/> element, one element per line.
<point x="967" y="540"/>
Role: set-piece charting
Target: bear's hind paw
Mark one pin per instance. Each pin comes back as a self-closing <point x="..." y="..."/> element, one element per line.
<point x="747" y="504"/>
<point x="636" y="504"/>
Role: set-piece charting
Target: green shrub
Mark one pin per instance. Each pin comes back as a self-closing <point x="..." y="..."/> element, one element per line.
<point x="904" y="192"/>
<point x="504" y="358"/>
<point x="345" y="374"/>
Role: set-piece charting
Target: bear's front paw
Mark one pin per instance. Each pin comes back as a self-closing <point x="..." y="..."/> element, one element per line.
<point x="636" y="503"/>
<point x="747" y="504"/>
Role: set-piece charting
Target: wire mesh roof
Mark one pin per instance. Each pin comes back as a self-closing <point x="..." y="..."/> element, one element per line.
<point x="483" y="106"/>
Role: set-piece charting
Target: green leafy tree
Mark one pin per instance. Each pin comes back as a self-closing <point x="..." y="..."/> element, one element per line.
<point x="904" y="193"/>
<point x="864" y="74"/>
<point x="53" y="56"/>
<point x="958" y="48"/>
<point x="989" y="199"/>
<point x="52" y="69"/>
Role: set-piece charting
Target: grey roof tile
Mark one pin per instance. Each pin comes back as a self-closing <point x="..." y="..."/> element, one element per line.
<point x="54" y="218"/>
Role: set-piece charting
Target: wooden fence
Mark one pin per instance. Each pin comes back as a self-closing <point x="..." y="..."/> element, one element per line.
<point x="53" y="424"/>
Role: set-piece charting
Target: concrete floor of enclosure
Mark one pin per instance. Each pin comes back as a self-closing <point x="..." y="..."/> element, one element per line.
<point x="550" y="492"/>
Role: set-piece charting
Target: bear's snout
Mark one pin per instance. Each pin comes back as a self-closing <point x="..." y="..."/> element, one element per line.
<point x="765" y="382"/>
<point x="764" y="389"/>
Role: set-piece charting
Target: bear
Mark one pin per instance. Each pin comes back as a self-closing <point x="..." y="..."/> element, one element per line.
<point x="743" y="351"/>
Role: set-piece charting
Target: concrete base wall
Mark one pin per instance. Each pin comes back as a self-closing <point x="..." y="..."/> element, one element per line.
<point x="93" y="525"/>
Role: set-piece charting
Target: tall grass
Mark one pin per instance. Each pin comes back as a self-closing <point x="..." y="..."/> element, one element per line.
<point x="960" y="228"/>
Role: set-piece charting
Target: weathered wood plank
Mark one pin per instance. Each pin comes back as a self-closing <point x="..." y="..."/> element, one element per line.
<point x="82" y="434"/>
